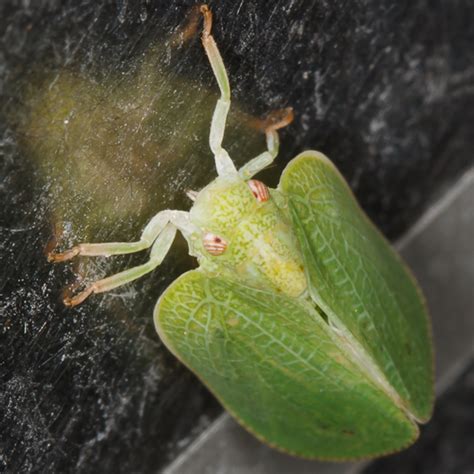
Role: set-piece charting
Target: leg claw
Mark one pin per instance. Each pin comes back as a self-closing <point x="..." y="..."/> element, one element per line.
<point x="63" y="256"/>
<point x="278" y="119"/>
<point x="206" y="13"/>
<point x="79" y="298"/>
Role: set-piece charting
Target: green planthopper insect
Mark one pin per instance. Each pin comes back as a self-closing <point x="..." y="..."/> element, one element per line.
<point x="301" y="319"/>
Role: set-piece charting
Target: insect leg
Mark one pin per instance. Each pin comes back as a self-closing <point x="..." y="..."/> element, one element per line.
<point x="224" y="164"/>
<point x="152" y="230"/>
<point x="274" y="121"/>
<point x="158" y="252"/>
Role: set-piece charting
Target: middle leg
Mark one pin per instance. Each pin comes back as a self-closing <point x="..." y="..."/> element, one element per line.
<point x="224" y="163"/>
<point x="275" y="121"/>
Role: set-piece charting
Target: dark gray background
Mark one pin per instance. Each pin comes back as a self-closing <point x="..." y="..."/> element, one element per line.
<point x="385" y="88"/>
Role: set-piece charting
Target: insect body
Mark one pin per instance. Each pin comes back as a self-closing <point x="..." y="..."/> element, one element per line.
<point x="300" y="318"/>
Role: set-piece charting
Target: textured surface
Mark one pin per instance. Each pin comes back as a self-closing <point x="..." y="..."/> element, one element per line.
<point x="358" y="281"/>
<point x="383" y="87"/>
<point x="275" y="364"/>
<point x="439" y="245"/>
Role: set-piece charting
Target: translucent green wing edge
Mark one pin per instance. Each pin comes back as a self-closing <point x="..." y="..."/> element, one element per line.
<point x="358" y="279"/>
<point x="273" y="363"/>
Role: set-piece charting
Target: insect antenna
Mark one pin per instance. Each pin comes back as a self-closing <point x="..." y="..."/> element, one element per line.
<point x="192" y="194"/>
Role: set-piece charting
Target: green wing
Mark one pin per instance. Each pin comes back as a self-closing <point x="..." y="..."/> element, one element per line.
<point x="279" y="369"/>
<point x="358" y="280"/>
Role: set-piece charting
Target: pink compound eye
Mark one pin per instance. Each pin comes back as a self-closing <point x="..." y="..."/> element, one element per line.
<point x="259" y="190"/>
<point x="214" y="244"/>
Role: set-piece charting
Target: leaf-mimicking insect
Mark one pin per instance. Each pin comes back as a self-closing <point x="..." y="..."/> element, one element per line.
<point x="300" y="318"/>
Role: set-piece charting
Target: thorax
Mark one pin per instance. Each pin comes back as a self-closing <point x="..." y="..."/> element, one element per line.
<point x="262" y="249"/>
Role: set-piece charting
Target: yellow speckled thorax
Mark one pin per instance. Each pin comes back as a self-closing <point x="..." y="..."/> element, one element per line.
<point x="262" y="248"/>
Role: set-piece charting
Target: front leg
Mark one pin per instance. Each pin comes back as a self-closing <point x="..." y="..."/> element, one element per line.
<point x="149" y="235"/>
<point x="158" y="252"/>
